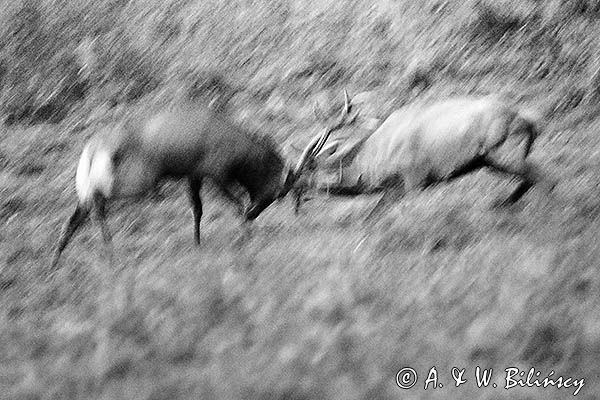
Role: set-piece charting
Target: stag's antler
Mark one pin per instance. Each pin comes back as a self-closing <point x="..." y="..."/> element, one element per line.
<point x="316" y="144"/>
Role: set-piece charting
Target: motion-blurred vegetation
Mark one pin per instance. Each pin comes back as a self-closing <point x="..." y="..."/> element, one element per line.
<point x="315" y="306"/>
<point x="56" y="54"/>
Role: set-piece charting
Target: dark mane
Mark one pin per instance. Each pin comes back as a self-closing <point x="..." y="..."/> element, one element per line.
<point x="266" y="142"/>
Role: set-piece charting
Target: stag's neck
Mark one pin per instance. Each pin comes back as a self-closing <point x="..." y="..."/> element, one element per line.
<point x="261" y="170"/>
<point x="361" y="165"/>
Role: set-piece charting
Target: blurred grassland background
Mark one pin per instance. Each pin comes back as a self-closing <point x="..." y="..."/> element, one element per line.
<point x="56" y="54"/>
<point x="316" y="306"/>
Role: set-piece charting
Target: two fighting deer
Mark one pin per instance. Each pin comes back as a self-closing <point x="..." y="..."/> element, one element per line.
<point x="415" y="147"/>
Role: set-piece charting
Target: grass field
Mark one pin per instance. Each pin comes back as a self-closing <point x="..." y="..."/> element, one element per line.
<point x="319" y="305"/>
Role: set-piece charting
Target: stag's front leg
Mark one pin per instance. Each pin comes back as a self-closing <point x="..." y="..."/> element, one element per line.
<point x="394" y="188"/>
<point x="239" y="204"/>
<point x="390" y="195"/>
<point x="194" y="189"/>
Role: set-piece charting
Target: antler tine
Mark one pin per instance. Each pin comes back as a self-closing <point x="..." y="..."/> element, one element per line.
<point x="346" y="103"/>
<point x="308" y="151"/>
<point x="316" y="144"/>
<point x="343" y="120"/>
<point x="345" y="110"/>
<point x="321" y="142"/>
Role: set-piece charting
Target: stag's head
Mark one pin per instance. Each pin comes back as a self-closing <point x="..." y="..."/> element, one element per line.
<point x="297" y="177"/>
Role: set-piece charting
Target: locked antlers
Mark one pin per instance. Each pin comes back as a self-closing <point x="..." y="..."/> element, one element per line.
<point x="306" y="161"/>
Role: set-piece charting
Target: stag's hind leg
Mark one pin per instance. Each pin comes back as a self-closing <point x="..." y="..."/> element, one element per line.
<point x="195" y="186"/>
<point x="100" y="213"/>
<point x="71" y="226"/>
<point x="529" y="174"/>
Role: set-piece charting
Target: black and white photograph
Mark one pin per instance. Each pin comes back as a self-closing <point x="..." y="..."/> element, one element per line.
<point x="299" y="199"/>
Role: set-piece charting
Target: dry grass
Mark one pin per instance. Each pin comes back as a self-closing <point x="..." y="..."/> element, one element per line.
<point x="318" y="306"/>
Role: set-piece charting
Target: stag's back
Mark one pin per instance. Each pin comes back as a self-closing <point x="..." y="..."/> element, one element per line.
<point x="192" y="140"/>
<point x="434" y="138"/>
<point x="187" y="141"/>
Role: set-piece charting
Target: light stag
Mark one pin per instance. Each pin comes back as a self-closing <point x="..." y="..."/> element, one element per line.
<point x="422" y="144"/>
<point x="131" y="159"/>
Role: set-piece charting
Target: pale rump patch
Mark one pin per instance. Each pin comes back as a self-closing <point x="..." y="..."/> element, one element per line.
<point x="94" y="175"/>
